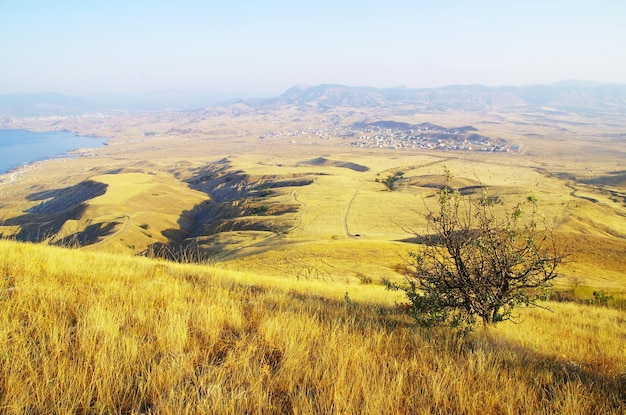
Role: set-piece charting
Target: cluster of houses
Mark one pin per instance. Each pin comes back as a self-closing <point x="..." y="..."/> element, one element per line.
<point x="395" y="135"/>
<point x="319" y="133"/>
<point x="428" y="137"/>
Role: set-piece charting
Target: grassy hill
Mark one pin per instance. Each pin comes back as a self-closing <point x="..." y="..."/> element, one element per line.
<point x="87" y="332"/>
<point x="292" y="229"/>
<point x="330" y="216"/>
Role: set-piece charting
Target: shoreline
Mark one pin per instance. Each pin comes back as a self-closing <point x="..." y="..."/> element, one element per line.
<point x="74" y="152"/>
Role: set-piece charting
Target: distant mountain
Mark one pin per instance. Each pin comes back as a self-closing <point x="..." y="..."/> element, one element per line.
<point x="577" y="96"/>
<point x="570" y="96"/>
<point x="332" y="96"/>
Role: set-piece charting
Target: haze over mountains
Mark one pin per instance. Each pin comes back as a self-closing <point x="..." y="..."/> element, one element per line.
<point x="42" y="104"/>
<point x="570" y="96"/>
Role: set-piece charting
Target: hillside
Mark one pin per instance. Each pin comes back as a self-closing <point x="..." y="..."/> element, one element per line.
<point x="231" y="259"/>
<point x="92" y="333"/>
<point x="116" y="211"/>
<point x="330" y="216"/>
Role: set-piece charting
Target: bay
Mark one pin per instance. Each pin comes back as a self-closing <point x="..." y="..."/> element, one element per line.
<point x="18" y="147"/>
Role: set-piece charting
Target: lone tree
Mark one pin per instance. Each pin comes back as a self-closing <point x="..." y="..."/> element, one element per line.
<point x="477" y="264"/>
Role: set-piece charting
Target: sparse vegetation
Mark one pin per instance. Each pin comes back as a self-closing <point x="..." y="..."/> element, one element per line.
<point x="601" y="298"/>
<point x="589" y="296"/>
<point x="185" y="254"/>
<point x="391" y="180"/>
<point x="365" y="279"/>
<point x="257" y="210"/>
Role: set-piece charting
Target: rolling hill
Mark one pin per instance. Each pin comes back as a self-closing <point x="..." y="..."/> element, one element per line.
<point x="273" y="236"/>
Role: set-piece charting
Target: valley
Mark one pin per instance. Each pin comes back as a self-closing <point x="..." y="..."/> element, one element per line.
<point x="235" y="259"/>
<point x="245" y="187"/>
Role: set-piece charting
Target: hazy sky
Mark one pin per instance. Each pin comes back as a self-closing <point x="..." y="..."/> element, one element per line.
<point x="261" y="48"/>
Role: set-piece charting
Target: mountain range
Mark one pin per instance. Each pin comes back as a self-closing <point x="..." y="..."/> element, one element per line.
<point x="567" y="96"/>
<point x="573" y="96"/>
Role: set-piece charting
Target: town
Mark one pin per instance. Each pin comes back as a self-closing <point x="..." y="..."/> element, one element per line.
<point x="398" y="135"/>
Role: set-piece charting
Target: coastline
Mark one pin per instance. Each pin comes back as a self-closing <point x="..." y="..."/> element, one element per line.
<point x="47" y="149"/>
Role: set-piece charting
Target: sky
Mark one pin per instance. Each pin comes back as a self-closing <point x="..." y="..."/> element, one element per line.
<point x="262" y="48"/>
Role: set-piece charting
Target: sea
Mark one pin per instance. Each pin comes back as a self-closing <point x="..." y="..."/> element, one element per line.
<point x="19" y="147"/>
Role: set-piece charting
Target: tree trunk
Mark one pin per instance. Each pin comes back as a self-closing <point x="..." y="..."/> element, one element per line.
<point x="495" y="316"/>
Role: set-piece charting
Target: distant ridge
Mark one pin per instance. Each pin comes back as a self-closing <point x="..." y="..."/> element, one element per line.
<point x="567" y="96"/>
<point x="23" y="105"/>
<point x="575" y="96"/>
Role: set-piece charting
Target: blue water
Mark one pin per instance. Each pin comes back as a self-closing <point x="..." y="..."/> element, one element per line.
<point x="21" y="146"/>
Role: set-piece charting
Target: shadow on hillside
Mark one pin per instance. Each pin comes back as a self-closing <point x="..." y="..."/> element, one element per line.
<point x="240" y="210"/>
<point x="35" y="227"/>
<point x="221" y="182"/>
<point x="225" y="184"/>
<point x="211" y="230"/>
<point x="551" y="373"/>
<point x="613" y="178"/>
<point x="90" y="235"/>
<point x="45" y="227"/>
<point x="201" y="222"/>
<point x="322" y="161"/>
<point x="59" y="200"/>
<point x="44" y="221"/>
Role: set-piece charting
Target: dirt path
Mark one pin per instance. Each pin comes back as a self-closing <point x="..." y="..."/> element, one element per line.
<point x="294" y="194"/>
<point x="346" y="230"/>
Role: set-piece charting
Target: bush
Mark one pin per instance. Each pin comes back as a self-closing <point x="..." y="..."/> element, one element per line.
<point x="390" y="182"/>
<point x="477" y="265"/>
<point x="257" y="210"/>
<point x="365" y="279"/>
<point x="601" y="299"/>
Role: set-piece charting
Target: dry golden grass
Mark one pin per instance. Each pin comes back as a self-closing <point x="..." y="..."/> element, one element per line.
<point x="286" y="324"/>
<point x="342" y="202"/>
<point x="146" y="205"/>
<point x="88" y="332"/>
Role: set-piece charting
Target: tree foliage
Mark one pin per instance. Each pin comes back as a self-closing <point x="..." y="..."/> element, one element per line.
<point x="479" y="260"/>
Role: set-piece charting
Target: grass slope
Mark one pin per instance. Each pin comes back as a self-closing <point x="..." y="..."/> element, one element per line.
<point x="117" y="212"/>
<point x="315" y="216"/>
<point x="85" y="332"/>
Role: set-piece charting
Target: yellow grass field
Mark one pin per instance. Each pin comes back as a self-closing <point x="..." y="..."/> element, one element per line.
<point x="285" y="313"/>
<point x="101" y="333"/>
